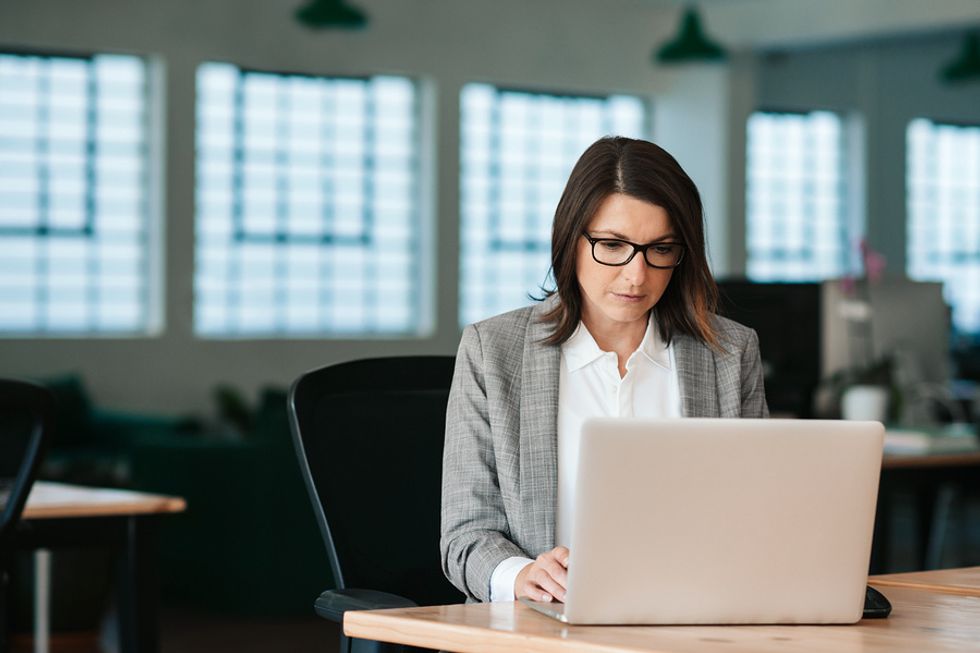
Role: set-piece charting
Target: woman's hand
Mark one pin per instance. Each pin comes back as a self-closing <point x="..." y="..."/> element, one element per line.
<point x="545" y="578"/>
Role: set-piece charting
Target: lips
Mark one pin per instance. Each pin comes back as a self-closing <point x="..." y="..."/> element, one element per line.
<point x="627" y="297"/>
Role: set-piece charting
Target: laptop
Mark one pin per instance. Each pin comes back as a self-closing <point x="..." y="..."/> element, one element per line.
<point x="721" y="521"/>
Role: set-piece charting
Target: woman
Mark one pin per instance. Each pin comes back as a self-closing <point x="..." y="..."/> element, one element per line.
<point x="629" y="331"/>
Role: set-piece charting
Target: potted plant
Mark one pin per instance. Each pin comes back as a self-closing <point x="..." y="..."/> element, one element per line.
<point x="867" y="389"/>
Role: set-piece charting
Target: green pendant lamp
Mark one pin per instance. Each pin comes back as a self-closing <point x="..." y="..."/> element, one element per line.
<point x="320" y="14"/>
<point x="967" y="65"/>
<point x="691" y="44"/>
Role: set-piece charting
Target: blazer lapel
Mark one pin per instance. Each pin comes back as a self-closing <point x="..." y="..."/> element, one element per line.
<point x="696" y="374"/>
<point x="539" y="434"/>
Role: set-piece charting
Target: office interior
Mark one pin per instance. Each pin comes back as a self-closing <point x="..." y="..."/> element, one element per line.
<point x="173" y="407"/>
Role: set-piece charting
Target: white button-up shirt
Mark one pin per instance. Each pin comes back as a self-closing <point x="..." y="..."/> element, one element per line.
<point x="590" y="386"/>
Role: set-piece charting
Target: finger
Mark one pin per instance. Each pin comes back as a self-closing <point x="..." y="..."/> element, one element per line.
<point x="550" y="565"/>
<point x="535" y="592"/>
<point x="561" y="554"/>
<point x="545" y="582"/>
<point x="552" y="590"/>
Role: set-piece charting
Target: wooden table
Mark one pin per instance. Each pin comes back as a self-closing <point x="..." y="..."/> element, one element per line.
<point x="927" y="460"/>
<point x="60" y="501"/>
<point x="921" y="621"/>
<point x="68" y="516"/>
<point x="964" y="581"/>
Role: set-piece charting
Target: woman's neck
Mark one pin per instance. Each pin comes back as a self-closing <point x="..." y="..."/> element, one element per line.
<point x="623" y="339"/>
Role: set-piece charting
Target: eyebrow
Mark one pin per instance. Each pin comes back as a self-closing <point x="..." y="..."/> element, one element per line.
<point x="615" y="234"/>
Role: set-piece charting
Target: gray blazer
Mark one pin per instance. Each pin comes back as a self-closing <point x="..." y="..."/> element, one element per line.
<point x="500" y="462"/>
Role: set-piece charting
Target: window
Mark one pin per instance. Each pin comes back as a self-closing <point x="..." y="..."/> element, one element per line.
<point x="74" y="213"/>
<point x="307" y="205"/>
<point x="517" y="150"/>
<point x="798" y="225"/>
<point x="943" y="228"/>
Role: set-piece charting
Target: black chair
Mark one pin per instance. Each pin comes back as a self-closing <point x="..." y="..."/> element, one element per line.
<point x="369" y="438"/>
<point x="26" y="423"/>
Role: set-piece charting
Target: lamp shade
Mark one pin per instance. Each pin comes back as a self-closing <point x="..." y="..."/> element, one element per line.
<point x="967" y="64"/>
<point x="331" y="13"/>
<point x="690" y="44"/>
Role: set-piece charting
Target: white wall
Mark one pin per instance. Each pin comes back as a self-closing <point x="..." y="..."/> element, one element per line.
<point x="761" y="24"/>
<point x="691" y="121"/>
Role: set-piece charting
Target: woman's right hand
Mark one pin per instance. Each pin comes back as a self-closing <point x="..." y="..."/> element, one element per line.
<point x="544" y="579"/>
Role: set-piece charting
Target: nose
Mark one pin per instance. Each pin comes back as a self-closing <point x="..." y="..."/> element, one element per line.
<point x="636" y="270"/>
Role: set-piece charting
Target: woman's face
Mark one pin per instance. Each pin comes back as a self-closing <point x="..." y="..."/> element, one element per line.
<point x="617" y="297"/>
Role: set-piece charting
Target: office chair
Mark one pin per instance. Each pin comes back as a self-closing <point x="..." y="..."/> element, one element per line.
<point x="369" y="437"/>
<point x="26" y="424"/>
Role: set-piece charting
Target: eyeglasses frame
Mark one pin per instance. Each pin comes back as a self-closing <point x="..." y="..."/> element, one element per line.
<point x="636" y="249"/>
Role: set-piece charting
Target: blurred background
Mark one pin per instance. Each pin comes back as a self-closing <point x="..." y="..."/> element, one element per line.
<point x="199" y="201"/>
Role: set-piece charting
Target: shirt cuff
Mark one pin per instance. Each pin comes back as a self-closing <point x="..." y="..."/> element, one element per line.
<point x="503" y="577"/>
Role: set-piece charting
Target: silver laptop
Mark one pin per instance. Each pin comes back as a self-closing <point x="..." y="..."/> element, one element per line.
<point x="721" y="521"/>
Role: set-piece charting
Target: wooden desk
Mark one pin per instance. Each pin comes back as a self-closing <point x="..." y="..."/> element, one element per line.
<point x="58" y="500"/>
<point x="964" y="581"/>
<point x="68" y="516"/>
<point x="926" y="460"/>
<point x="920" y="621"/>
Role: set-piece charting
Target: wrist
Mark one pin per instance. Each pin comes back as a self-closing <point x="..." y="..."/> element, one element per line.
<point x="520" y="578"/>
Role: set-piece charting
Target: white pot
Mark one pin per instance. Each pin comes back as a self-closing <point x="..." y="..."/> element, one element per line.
<point x="866" y="402"/>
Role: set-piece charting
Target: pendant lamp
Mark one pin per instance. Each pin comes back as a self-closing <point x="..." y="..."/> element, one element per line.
<point x="967" y="65"/>
<point x="320" y="14"/>
<point x="690" y="44"/>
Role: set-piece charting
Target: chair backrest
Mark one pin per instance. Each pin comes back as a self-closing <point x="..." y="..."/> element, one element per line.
<point x="26" y="424"/>
<point x="369" y="437"/>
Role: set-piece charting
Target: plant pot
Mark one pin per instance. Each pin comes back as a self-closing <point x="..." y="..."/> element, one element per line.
<point x="865" y="402"/>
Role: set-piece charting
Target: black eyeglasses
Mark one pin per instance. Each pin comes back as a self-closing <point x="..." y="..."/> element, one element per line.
<point x="613" y="251"/>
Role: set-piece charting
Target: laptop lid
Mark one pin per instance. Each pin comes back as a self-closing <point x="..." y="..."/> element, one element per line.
<point x="722" y="521"/>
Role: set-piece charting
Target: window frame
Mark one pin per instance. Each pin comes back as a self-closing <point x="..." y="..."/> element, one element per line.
<point x="150" y="242"/>
<point x="495" y="243"/>
<point x="851" y="179"/>
<point x="422" y="318"/>
<point x="947" y="257"/>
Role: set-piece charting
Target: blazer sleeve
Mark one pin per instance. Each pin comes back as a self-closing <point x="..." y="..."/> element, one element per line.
<point x="753" y="384"/>
<point x="474" y="529"/>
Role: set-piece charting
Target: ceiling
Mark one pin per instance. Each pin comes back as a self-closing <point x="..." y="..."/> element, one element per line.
<point x="765" y="24"/>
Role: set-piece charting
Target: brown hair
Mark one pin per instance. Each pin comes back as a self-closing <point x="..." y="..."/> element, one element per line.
<point x="647" y="172"/>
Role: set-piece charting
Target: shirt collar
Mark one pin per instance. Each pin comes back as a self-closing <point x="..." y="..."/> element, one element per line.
<point x="581" y="348"/>
<point x="653" y="347"/>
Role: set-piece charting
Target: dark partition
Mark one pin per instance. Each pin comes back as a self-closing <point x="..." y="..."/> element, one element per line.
<point x="787" y="318"/>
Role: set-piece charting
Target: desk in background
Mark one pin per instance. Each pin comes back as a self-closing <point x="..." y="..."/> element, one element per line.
<point x="62" y="501"/>
<point x="66" y="516"/>
<point x="935" y="480"/>
<point x="921" y="621"/>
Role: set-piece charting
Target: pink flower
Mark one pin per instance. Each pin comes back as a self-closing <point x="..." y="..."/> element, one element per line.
<point x="874" y="262"/>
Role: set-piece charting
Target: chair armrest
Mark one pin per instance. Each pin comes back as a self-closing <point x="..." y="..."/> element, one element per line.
<point x="332" y="604"/>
